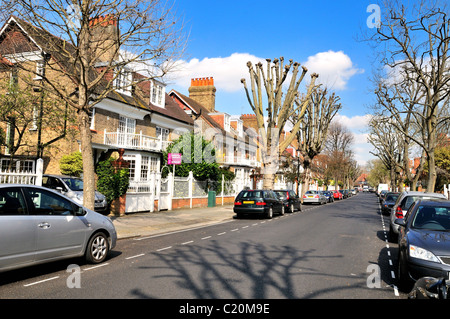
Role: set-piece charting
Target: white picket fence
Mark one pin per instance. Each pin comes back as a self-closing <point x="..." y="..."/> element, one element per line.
<point x="24" y="177"/>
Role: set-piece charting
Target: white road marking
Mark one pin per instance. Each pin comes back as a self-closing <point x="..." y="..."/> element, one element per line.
<point x="134" y="256"/>
<point x="40" y="281"/>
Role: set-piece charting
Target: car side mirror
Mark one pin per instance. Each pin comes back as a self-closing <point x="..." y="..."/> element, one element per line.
<point x="79" y="211"/>
<point x="400" y="222"/>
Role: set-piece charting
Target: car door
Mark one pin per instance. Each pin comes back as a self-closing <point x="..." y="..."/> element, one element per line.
<point x="17" y="231"/>
<point x="60" y="233"/>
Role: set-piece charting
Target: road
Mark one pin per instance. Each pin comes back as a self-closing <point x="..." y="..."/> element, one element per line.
<point x="334" y="251"/>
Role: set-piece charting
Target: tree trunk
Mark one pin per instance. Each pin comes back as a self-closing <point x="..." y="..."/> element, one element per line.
<point x="431" y="183"/>
<point x="88" y="161"/>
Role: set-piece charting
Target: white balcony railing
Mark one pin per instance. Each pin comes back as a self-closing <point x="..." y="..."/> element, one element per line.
<point x="134" y="141"/>
<point x="239" y="160"/>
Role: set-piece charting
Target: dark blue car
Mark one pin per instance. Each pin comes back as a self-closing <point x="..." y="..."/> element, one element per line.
<point x="424" y="242"/>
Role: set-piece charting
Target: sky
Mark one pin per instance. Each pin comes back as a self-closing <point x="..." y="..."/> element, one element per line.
<point x="322" y="35"/>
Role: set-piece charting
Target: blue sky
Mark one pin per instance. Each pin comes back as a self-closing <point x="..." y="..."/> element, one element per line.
<point x="322" y="34"/>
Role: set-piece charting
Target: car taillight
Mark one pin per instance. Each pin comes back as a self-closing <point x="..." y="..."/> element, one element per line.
<point x="237" y="203"/>
<point x="316" y="196"/>
<point x="399" y="212"/>
<point x="304" y="196"/>
<point x="287" y="195"/>
<point x="260" y="203"/>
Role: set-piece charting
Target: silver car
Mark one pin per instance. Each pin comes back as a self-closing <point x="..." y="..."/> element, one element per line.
<point x="314" y="197"/>
<point x="72" y="187"/>
<point x="401" y="206"/>
<point x="39" y="225"/>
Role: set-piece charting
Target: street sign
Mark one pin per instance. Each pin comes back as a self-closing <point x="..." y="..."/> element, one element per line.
<point x="174" y="158"/>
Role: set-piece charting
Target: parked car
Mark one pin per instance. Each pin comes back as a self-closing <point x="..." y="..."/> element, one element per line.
<point x="292" y="200"/>
<point x="328" y="195"/>
<point x="388" y="202"/>
<point x="264" y="202"/>
<point x="337" y="195"/>
<point x="404" y="201"/>
<point x="39" y="225"/>
<point x="72" y="187"/>
<point x="424" y="241"/>
<point x="382" y="195"/>
<point x="314" y="196"/>
<point x="344" y="193"/>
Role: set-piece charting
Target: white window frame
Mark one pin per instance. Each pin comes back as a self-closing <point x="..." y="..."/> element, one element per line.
<point x="40" y="64"/>
<point x="226" y="122"/>
<point x="157" y="94"/>
<point x="123" y="81"/>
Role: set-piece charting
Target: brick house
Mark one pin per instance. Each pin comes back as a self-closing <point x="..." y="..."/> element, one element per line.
<point x="235" y="143"/>
<point x="140" y="119"/>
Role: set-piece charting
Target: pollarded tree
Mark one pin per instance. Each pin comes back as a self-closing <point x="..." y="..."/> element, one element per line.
<point x="282" y="99"/>
<point x="311" y="136"/>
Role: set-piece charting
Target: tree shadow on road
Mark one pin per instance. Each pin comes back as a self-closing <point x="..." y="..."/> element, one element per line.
<point x="248" y="270"/>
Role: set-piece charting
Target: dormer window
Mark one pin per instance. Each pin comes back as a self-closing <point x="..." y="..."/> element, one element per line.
<point x="157" y="94"/>
<point x="226" y="122"/>
<point x="240" y="128"/>
<point x="123" y="81"/>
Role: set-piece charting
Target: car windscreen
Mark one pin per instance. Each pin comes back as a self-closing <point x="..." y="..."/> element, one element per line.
<point x="432" y="218"/>
<point x="75" y="184"/>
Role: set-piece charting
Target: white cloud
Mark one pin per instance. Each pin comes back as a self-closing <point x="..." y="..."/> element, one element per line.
<point x="357" y="122"/>
<point x="334" y="68"/>
<point x="227" y="72"/>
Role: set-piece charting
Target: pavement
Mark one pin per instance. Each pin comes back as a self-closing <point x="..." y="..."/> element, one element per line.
<point x="154" y="223"/>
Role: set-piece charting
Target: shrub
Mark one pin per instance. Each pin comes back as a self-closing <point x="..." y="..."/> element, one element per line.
<point x="112" y="183"/>
<point x="71" y="164"/>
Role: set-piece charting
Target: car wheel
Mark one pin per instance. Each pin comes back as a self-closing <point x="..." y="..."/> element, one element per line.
<point x="282" y="210"/>
<point x="270" y="213"/>
<point x="292" y="208"/>
<point x="97" y="249"/>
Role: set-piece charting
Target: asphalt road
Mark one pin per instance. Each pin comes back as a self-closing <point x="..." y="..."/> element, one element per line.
<point x="335" y="251"/>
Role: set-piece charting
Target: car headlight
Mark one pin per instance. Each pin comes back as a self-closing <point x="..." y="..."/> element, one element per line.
<point x="423" y="254"/>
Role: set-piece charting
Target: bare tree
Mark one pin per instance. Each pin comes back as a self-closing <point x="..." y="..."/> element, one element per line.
<point x="273" y="113"/>
<point x="418" y="45"/>
<point x="82" y="66"/>
<point x="338" y="148"/>
<point x="311" y="136"/>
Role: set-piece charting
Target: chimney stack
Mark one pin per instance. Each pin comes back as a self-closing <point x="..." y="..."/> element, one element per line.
<point x="104" y="37"/>
<point x="203" y="91"/>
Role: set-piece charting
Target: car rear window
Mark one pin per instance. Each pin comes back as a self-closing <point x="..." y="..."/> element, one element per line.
<point x="251" y="194"/>
<point x="281" y="194"/>
<point x="391" y="198"/>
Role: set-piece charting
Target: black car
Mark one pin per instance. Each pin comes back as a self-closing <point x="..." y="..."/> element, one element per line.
<point x="291" y="200"/>
<point x="388" y="202"/>
<point x="329" y="195"/>
<point x="264" y="202"/>
<point x="424" y="241"/>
